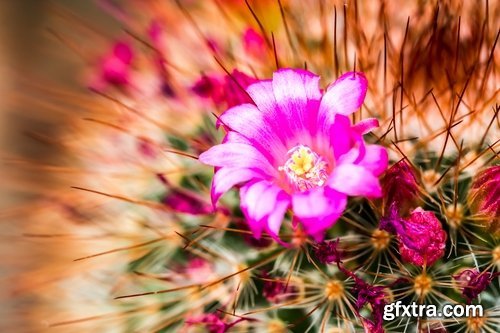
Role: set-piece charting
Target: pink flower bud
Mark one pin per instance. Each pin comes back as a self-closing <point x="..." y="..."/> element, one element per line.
<point x="114" y="68"/>
<point x="483" y="198"/>
<point x="422" y="239"/>
<point x="400" y="187"/>
<point x="210" y="321"/>
<point x="254" y="43"/>
<point x="185" y="202"/>
<point x="472" y="282"/>
<point x="225" y="90"/>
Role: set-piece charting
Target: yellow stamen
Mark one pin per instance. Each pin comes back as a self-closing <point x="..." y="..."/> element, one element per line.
<point x="302" y="161"/>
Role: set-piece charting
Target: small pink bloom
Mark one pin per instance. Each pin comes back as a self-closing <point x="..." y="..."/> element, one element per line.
<point x="254" y="43"/>
<point x="147" y="148"/>
<point x="185" y="202"/>
<point x="198" y="266"/>
<point x="115" y="67"/>
<point x="210" y="321"/>
<point x="295" y="148"/>
<point x="375" y="297"/>
<point x="365" y="293"/>
<point x="213" y="323"/>
<point x="224" y="90"/>
<point x="196" y="270"/>
<point x="155" y="32"/>
<point x="210" y="87"/>
<point x="233" y="85"/>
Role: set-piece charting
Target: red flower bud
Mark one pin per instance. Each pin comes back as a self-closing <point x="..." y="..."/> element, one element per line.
<point x="483" y="198"/>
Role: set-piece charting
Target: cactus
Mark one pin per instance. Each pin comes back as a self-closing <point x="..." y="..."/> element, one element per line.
<point x="310" y="249"/>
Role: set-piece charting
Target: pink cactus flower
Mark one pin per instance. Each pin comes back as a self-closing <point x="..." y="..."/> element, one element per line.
<point x="211" y="322"/>
<point x="254" y="43"/>
<point x="234" y="95"/>
<point x="115" y="67"/>
<point x="295" y="148"/>
<point x="224" y="90"/>
<point x="208" y="86"/>
<point x="185" y="202"/>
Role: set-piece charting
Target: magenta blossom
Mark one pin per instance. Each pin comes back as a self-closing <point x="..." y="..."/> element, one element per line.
<point x="254" y="43"/>
<point x="186" y="202"/>
<point x="182" y="200"/>
<point x="213" y="323"/>
<point x="115" y="67"/>
<point x="226" y="90"/>
<point x="295" y="148"/>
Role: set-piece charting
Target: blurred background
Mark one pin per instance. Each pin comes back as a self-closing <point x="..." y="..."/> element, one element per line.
<point x="30" y="59"/>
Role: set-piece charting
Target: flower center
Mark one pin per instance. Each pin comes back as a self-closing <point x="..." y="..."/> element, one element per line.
<point x="334" y="290"/>
<point x="496" y="255"/>
<point x="304" y="168"/>
<point x="422" y="284"/>
<point x="380" y="239"/>
<point x="475" y="324"/>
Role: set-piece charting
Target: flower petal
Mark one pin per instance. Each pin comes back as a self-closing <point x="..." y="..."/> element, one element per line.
<point x="225" y="178"/>
<point x="355" y="180"/>
<point x="296" y="84"/>
<point x="235" y="137"/>
<point x="263" y="96"/>
<point x="237" y="155"/>
<point x="264" y="205"/>
<point x="335" y="134"/>
<point x="375" y="159"/>
<point x="297" y="96"/>
<point x="275" y="218"/>
<point x="366" y="125"/>
<point x="344" y="96"/>
<point x="356" y="152"/>
<point x="318" y="209"/>
<point x="250" y="122"/>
